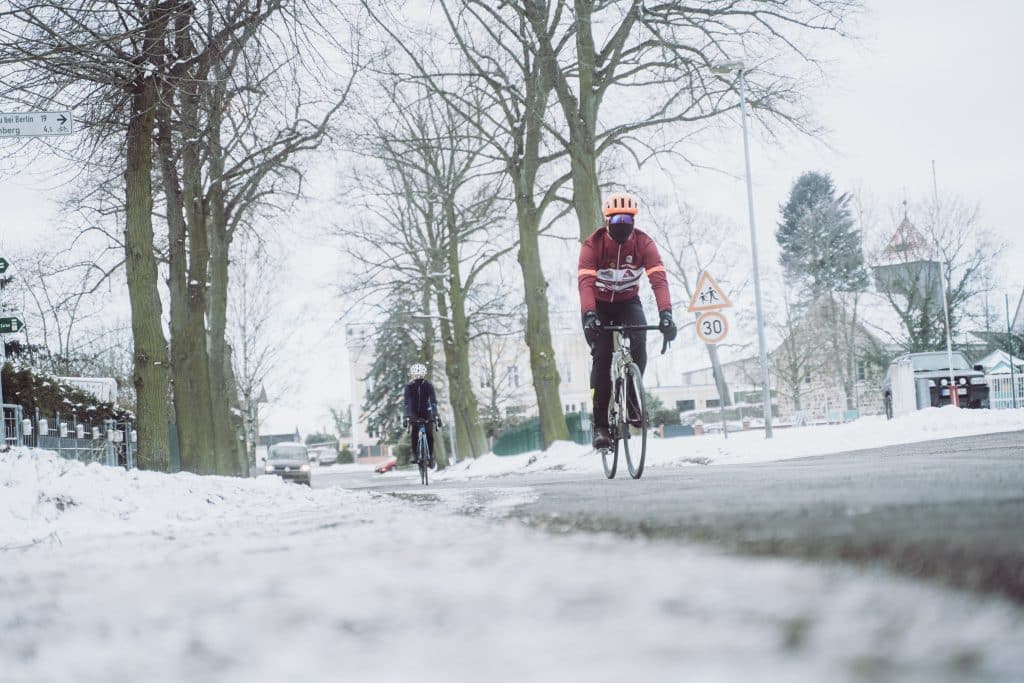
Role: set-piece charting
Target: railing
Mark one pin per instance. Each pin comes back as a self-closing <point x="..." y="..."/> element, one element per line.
<point x="1001" y="391"/>
<point x="108" y="442"/>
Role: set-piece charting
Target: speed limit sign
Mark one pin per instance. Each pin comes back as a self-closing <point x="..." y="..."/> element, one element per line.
<point x="712" y="327"/>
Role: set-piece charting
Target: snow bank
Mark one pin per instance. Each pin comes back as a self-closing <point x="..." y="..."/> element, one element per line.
<point x="749" y="447"/>
<point x="253" y="581"/>
<point x="42" y="495"/>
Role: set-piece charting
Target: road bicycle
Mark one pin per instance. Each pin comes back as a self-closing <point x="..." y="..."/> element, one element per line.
<point x="627" y="412"/>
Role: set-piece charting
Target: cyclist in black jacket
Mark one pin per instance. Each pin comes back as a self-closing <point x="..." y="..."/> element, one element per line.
<point x="420" y="404"/>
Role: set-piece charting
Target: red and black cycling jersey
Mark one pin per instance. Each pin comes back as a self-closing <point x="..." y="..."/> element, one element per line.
<point x="610" y="272"/>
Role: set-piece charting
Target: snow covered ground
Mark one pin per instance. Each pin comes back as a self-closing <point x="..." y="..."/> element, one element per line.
<point x="107" y="575"/>
<point x="749" y="447"/>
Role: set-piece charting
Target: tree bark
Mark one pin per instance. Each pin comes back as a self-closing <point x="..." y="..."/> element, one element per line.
<point x="224" y="397"/>
<point x="469" y="433"/>
<point x="150" y="375"/>
<point x="538" y="327"/>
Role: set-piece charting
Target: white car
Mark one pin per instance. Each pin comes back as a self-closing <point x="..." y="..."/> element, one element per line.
<point x="323" y="454"/>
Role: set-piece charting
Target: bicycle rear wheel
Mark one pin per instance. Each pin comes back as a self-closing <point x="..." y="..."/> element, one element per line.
<point x="424" y="456"/>
<point x="634" y="442"/>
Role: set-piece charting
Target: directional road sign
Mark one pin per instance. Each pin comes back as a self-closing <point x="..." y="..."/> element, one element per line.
<point x="712" y="327"/>
<point x="709" y="295"/>
<point x="4" y="265"/>
<point x="35" y="123"/>
<point x="10" y="325"/>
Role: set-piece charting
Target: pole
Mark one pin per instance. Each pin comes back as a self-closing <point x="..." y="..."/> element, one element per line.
<point x="762" y="344"/>
<point x="1009" y="349"/>
<point x="954" y="399"/>
<point x="3" y="416"/>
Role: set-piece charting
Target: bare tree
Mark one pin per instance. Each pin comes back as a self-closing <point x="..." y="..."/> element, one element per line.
<point x="438" y="202"/>
<point x="498" y="63"/>
<point x="657" y="57"/>
<point x="938" y="246"/>
<point x="797" y="354"/>
<point x="102" y="58"/>
<point x="692" y="242"/>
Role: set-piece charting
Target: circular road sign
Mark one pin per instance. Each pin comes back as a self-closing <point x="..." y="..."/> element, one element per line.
<point x="712" y="327"/>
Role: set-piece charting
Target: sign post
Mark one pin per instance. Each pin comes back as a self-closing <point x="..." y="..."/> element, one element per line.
<point x="32" y="124"/>
<point x="707" y="302"/>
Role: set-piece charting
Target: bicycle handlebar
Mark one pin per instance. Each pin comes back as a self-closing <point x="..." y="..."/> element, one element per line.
<point x="629" y="328"/>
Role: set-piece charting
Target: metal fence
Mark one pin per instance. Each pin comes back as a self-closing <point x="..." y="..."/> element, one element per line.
<point x="1001" y="391"/>
<point x="107" y="442"/>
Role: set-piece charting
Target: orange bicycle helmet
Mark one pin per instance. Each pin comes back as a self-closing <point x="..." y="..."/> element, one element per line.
<point x="620" y="202"/>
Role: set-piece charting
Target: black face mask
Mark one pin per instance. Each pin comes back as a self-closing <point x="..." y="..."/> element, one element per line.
<point x="619" y="232"/>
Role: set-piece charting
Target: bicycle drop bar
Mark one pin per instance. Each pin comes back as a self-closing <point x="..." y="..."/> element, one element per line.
<point x="630" y="328"/>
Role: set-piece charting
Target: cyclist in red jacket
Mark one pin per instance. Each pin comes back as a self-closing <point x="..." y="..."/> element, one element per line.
<point x="612" y="261"/>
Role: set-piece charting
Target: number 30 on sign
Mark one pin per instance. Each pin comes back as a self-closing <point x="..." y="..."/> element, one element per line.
<point x="712" y="327"/>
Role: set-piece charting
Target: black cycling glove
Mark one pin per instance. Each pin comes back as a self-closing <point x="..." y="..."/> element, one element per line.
<point x="591" y="327"/>
<point x="667" y="325"/>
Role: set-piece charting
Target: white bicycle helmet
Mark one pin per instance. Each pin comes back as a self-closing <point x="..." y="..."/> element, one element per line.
<point x="417" y="370"/>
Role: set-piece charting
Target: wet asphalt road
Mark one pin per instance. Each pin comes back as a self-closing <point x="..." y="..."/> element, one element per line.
<point x="949" y="510"/>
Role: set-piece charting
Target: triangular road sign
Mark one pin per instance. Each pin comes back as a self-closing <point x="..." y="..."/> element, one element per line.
<point x="709" y="295"/>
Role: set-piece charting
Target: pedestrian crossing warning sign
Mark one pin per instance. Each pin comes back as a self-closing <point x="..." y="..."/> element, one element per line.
<point x="709" y="295"/>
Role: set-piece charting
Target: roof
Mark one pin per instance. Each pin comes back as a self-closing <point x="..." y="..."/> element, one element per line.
<point x="1000" y="357"/>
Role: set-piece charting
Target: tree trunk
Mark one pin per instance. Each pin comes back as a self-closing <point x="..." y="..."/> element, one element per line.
<point x="538" y="327"/>
<point x="427" y="358"/>
<point x="149" y="373"/>
<point x="224" y="397"/>
<point x="470" y="441"/>
<point x="579" y="108"/>
<point x="188" y="362"/>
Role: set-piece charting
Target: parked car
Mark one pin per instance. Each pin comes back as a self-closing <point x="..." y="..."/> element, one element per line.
<point x="386" y="466"/>
<point x="290" y="461"/>
<point x="931" y="373"/>
<point x="326" y="454"/>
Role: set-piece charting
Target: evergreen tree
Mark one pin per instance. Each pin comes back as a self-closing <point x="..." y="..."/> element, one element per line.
<point x="824" y="261"/>
<point x="821" y="250"/>
<point x="396" y="349"/>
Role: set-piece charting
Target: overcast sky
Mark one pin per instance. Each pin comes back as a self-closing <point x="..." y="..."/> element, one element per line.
<point x="928" y="80"/>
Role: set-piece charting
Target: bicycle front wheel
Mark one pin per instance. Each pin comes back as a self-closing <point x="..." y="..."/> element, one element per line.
<point x="424" y="457"/>
<point x="634" y="441"/>
<point x="610" y="458"/>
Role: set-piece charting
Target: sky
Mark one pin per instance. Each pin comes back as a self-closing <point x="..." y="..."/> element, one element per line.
<point x="923" y="82"/>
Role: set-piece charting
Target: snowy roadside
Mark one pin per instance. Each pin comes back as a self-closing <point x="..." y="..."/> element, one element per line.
<point x="143" y="576"/>
<point x="751" y="447"/>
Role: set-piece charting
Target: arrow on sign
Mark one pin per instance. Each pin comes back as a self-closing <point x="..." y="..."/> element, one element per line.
<point x="4" y="265"/>
<point x="10" y="325"/>
<point x="63" y="119"/>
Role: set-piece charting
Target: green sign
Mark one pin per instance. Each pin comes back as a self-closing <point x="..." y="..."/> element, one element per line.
<point x="9" y="325"/>
<point x="4" y="265"/>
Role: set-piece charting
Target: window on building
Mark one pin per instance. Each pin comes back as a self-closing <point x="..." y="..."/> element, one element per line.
<point x="686" y="404"/>
<point x="513" y="376"/>
<point x="712" y="403"/>
<point x="485" y="381"/>
<point x="862" y="370"/>
<point x="807" y="378"/>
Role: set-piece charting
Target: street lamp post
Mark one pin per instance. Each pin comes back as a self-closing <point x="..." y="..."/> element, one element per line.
<point x="740" y="69"/>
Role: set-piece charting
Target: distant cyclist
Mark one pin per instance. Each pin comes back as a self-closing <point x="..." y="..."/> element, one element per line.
<point x="612" y="261"/>
<point x="420" y="404"/>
